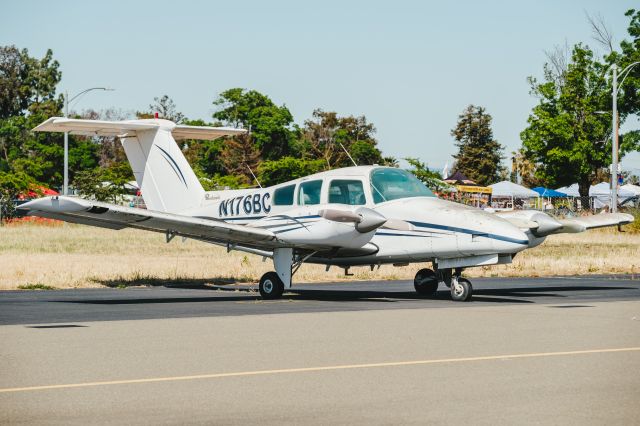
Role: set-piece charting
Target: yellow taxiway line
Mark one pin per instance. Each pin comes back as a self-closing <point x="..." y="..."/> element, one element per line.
<point x="319" y="368"/>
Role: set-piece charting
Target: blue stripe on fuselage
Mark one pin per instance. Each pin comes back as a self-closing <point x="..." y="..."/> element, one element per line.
<point x="469" y="231"/>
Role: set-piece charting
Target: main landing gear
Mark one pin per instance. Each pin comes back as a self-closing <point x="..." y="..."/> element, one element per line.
<point x="271" y="286"/>
<point x="426" y="283"/>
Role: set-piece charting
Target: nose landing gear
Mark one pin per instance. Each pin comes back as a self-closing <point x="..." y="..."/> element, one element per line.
<point x="461" y="289"/>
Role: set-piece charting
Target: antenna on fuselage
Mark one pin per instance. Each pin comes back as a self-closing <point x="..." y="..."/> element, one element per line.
<point x="254" y="176"/>
<point x="348" y="155"/>
<point x="251" y="171"/>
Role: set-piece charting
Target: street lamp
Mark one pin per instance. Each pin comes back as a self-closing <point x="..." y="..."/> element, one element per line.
<point x="614" y="132"/>
<point x="65" y="185"/>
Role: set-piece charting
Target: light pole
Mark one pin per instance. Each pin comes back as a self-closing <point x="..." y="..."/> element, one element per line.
<point x="614" y="131"/>
<point x="65" y="184"/>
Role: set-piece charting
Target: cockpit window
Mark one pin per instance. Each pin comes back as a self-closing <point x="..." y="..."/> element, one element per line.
<point x="347" y="192"/>
<point x="309" y="193"/>
<point x="283" y="196"/>
<point x="391" y="184"/>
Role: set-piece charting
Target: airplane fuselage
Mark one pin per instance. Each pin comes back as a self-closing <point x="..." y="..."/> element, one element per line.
<point x="432" y="229"/>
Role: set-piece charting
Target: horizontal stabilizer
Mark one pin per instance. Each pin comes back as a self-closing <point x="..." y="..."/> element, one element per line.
<point x="92" y="127"/>
<point x="130" y="127"/>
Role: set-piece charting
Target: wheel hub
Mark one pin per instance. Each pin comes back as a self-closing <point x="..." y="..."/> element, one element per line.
<point x="458" y="289"/>
<point x="268" y="286"/>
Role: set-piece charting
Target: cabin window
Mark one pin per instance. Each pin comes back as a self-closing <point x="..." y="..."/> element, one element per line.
<point x="283" y="196"/>
<point x="309" y="193"/>
<point x="390" y="184"/>
<point x="347" y="192"/>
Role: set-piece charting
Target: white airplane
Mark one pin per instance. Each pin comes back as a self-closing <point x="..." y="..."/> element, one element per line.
<point x="354" y="216"/>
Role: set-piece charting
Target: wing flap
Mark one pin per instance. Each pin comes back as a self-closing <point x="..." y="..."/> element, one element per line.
<point x="94" y="213"/>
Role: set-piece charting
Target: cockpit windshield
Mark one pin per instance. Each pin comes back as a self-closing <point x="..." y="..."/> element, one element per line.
<point x="390" y="184"/>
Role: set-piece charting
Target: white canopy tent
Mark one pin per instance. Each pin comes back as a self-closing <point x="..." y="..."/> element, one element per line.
<point x="600" y="192"/>
<point x="631" y="188"/>
<point x="506" y="189"/>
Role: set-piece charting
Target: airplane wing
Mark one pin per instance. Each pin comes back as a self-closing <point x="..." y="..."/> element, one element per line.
<point x="581" y="224"/>
<point x="128" y="128"/>
<point x="104" y="215"/>
<point x="542" y="224"/>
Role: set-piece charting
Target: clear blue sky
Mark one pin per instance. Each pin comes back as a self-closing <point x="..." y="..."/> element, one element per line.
<point x="409" y="66"/>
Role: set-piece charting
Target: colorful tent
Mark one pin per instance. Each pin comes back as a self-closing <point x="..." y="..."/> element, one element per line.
<point x="458" y="178"/>
<point x="548" y="192"/>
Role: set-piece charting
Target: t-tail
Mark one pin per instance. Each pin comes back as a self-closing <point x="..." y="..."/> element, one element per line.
<point x="166" y="180"/>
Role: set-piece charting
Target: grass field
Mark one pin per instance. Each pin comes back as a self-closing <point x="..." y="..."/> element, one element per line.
<point x="67" y="256"/>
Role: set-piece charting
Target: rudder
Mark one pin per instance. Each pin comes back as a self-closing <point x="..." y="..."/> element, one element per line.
<point x="166" y="180"/>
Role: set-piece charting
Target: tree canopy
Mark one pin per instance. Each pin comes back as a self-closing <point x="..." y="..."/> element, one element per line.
<point x="568" y="132"/>
<point x="479" y="154"/>
<point x="271" y="126"/>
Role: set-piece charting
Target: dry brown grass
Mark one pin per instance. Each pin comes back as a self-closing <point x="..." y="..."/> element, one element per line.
<point x="66" y="256"/>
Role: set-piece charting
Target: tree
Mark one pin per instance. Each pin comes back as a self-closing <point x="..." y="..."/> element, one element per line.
<point x="11" y="185"/>
<point x="286" y="169"/>
<point x="525" y="169"/>
<point x="166" y="108"/>
<point x="271" y="126"/>
<point x="566" y="139"/>
<point x="324" y="134"/>
<point x="629" y="98"/>
<point x="432" y="179"/>
<point x="28" y="97"/>
<point x="103" y="183"/>
<point x="239" y="154"/>
<point x="25" y="80"/>
<point x="15" y="93"/>
<point x="109" y="149"/>
<point x="479" y="154"/>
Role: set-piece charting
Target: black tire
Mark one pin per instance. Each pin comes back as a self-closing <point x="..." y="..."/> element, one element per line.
<point x="463" y="291"/>
<point x="271" y="286"/>
<point x="426" y="282"/>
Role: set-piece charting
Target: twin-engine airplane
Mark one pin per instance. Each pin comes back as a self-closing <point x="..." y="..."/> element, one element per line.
<point x="354" y="216"/>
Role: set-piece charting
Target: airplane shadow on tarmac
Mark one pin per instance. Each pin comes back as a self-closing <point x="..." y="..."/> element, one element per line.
<point x="245" y="293"/>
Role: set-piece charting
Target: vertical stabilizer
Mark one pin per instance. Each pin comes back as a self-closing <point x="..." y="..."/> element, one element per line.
<point x="165" y="178"/>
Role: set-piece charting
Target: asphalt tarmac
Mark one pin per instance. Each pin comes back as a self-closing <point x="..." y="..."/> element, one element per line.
<point x="543" y="351"/>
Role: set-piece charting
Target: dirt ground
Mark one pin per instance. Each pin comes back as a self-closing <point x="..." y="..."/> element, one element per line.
<point x="70" y="256"/>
